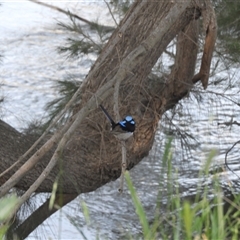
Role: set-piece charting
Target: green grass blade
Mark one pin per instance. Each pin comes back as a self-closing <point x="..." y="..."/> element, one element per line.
<point x="138" y="207"/>
<point x="7" y="205"/>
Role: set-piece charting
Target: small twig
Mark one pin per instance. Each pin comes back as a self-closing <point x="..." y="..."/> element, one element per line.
<point x="91" y="40"/>
<point x="232" y="203"/>
<point x="230" y="123"/>
<point x="62" y="11"/>
<point x="116" y="97"/>
<point x="110" y="11"/>
<point x="124" y="165"/>
<point x="115" y="101"/>
<point x="226" y="164"/>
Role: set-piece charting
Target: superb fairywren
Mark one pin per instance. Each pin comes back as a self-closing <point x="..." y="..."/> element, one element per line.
<point x="123" y="129"/>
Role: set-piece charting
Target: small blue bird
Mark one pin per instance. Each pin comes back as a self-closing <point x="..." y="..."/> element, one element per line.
<point x="123" y="129"/>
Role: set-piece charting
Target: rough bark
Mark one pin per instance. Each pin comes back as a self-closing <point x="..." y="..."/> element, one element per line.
<point x="92" y="157"/>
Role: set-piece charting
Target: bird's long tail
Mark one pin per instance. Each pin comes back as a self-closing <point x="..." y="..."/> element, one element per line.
<point x="108" y="116"/>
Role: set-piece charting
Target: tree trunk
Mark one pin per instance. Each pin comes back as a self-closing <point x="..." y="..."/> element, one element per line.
<point x="86" y="153"/>
<point x="92" y="156"/>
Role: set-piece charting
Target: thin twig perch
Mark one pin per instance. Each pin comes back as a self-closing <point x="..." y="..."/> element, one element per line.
<point x="124" y="165"/>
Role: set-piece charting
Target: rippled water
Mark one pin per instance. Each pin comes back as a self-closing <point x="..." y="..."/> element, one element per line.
<point x="31" y="63"/>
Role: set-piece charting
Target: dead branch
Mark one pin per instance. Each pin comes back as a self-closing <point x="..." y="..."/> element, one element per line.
<point x="63" y="11"/>
<point x="210" y="27"/>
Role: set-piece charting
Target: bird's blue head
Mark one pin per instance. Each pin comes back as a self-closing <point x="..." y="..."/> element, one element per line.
<point x="127" y="124"/>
